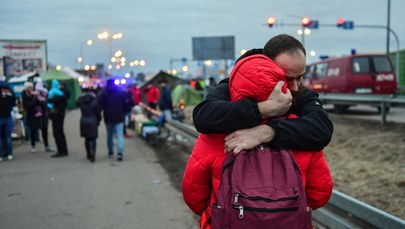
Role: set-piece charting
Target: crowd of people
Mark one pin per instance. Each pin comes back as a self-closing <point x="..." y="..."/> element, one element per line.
<point x="113" y="104"/>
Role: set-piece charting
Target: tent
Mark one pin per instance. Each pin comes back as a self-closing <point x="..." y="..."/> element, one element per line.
<point x="172" y="80"/>
<point x="71" y="83"/>
<point x="186" y="95"/>
<point x="69" y="71"/>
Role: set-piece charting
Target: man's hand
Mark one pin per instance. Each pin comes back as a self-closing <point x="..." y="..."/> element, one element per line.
<point x="248" y="138"/>
<point x="277" y="104"/>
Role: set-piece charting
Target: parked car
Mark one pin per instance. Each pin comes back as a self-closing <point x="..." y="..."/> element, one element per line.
<point x="355" y="74"/>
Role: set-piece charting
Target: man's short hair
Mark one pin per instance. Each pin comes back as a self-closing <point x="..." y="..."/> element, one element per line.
<point x="282" y="43"/>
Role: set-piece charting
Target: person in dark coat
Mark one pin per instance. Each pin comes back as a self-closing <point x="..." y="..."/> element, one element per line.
<point x="7" y="102"/>
<point x="89" y="121"/>
<point x="112" y="101"/>
<point x="35" y="109"/>
<point x="57" y="104"/>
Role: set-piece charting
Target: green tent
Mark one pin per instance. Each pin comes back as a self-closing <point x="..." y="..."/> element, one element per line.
<point x="72" y="84"/>
<point x="186" y="94"/>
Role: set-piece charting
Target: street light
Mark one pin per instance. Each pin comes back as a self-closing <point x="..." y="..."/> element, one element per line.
<point x="80" y="59"/>
<point x="106" y="36"/>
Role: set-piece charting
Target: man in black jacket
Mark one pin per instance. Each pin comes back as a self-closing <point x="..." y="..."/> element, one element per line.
<point x="312" y="131"/>
<point x="7" y="102"/>
<point x="113" y="102"/>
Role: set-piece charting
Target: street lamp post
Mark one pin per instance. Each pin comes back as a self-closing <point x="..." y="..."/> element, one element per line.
<point x="80" y="59"/>
<point x="184" y="64"/>
<point x="106" y="36"/>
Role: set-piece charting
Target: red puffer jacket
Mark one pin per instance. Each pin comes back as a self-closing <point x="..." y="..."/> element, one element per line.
<point x="253" y="77"/>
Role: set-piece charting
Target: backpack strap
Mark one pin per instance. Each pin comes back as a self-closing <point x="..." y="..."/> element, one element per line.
<point x="291" y="154"/>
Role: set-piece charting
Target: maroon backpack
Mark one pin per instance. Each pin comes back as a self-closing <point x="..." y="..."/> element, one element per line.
<point x="261" y="188"/>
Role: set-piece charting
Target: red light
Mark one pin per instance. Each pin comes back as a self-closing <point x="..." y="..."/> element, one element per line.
<point x="271" y="21"/>
<point x="305" y="21"/>
<point x="340" y="21"/>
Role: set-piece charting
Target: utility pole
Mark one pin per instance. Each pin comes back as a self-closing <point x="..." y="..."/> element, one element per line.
<point x="388" y="26"/>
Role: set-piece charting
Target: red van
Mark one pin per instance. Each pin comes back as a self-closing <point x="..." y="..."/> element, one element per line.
<point x="355" y="74"/>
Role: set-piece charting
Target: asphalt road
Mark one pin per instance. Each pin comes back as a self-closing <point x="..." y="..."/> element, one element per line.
<point x="37" y="191"/>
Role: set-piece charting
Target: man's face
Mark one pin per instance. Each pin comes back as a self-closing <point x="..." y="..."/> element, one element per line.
<point x="293" y="65"/>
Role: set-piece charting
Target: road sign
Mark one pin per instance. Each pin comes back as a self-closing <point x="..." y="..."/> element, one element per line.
<point x="348" y="25"/>
<point x="314" y="24"/>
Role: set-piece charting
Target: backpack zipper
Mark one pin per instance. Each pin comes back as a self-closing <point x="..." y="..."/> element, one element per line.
<point x="238" y="195"/>
<point x="243" y="208"/>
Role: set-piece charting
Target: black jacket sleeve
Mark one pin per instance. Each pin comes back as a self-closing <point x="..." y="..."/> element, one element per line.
<point x="312" y="131"/>
<point x="216" y="114"/>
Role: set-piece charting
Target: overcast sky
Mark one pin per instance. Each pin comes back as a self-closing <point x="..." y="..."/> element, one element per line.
<point x="157" y="31"/>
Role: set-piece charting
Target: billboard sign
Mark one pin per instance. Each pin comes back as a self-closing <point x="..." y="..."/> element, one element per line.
<point x="213" y="48"/>
<point x="23" y="56"/>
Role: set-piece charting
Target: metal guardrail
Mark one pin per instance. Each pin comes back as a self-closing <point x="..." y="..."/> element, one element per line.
<point x="341" y="212"/>
<point x="382" y="101"/>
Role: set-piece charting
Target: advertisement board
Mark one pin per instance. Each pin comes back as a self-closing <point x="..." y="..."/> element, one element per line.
<point x="213" y="48"/>
<point x="23" y="56"/>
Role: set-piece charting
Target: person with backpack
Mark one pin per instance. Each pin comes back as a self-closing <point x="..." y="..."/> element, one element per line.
<point x="311" y="131"/>
<point x="253" y="77"/>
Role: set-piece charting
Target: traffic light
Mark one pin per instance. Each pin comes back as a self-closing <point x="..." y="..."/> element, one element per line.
<point x="342" y="23"/>
<point x="271" y="21"/>
<point x="339" y="22"/>
<point x="305" y="21"/>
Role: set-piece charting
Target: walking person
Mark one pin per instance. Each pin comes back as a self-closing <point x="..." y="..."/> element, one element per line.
<point x="130" y="104"/>
<point x="7" y="102"/>
<point x="57" y="104"/>
<point x="89" y="121"/>
<point x="112" y="102"/>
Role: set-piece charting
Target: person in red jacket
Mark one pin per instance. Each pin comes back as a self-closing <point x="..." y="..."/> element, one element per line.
<point x="136" y="94"/>
<point x="253" y="77"/>
<point x="152" y="97"/>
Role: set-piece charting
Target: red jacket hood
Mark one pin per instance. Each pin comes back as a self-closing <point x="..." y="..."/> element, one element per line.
<point x="255" y="77"/>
